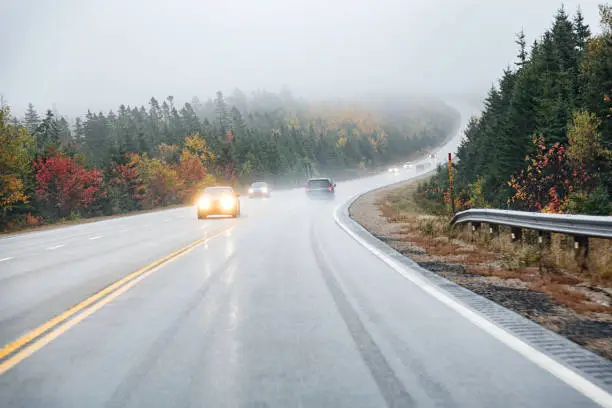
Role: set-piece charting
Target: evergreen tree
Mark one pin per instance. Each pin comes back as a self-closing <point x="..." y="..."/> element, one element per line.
<point x="222" y="114"/>
<point x="31" y="119"/>
<point x="522" y="43"/>
<point x="64" y="133"/>
<point x="79" y="131"/>
<point x="47" y="133"/>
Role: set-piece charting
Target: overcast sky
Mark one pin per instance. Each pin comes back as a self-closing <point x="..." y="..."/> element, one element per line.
<point x="80" y="54"/>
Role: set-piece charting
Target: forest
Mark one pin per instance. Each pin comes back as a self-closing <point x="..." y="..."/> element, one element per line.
<point x="144" y="157"/>
<point x="542" y="142"/>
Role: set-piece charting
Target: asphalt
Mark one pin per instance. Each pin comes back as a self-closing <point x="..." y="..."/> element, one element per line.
<point x="279" y="308"/>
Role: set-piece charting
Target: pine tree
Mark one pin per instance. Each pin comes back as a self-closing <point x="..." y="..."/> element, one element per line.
<point x="47" y="133"/>
<point x="64" y="133"/>
<point x="31" y="119"/>
<point x="522" y="43"/>
<point x="583" y="32"/>
<point x="222" y="114"/>
<point x="79" y="131"/>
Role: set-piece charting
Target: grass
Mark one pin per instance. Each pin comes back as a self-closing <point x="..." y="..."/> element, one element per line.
<point x="551" y="269"/>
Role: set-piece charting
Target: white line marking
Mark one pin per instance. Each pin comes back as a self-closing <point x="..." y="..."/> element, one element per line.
<point x="166" y="219"/>
<point x="181" y="216"/>
<point x="570" y="377"/>
<point x="8" y="258"/>
<point x="96" y="237"/>
<point x="55" y="247"/>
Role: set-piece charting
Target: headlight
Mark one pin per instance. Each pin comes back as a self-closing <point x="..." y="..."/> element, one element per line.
<point x="227" y="203"/>
<point x="204" y="203"/>
<point x="250" y="191"/>
<point x="264" y="190"/>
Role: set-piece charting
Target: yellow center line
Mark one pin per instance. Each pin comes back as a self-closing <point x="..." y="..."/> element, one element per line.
<point x="109" y="293"/>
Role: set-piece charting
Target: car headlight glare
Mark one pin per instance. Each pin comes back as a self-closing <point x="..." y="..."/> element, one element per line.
<point x="264" y="190"/>
<point x="204" y="203"/>
<point x="227" y="203"/>
<point x="250" y="191"/>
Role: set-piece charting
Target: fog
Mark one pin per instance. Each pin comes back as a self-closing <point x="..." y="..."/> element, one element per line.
<point x="85" y="54"/>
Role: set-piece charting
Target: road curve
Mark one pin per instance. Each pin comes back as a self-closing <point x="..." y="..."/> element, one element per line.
<point x="278" y="308"/>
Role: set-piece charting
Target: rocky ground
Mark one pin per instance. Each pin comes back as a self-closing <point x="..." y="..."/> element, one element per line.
<point x="574" y="308"/>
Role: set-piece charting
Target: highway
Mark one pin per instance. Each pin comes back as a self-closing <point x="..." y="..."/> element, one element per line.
<point x="281" y="307"/>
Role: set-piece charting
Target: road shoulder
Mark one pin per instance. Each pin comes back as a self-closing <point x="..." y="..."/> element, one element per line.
<point x="587" y="322"/>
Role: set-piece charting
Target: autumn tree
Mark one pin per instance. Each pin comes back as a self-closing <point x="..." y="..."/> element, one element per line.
<point x="15" y="163"/>
<point x="126" y="187"/>
<point x="63" y="185"/>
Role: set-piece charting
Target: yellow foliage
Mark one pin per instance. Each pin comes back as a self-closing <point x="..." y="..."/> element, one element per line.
<point x="584" y="138"/>
<point x="16" y="148"/>
<point x="197" y="145"/>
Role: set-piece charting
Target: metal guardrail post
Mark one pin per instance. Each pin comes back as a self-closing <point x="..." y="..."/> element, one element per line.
<point x="493" y="229"/>
<point x="517" y="234"/>
<point x="544" y="238"/>
<point x="581" y="245"/>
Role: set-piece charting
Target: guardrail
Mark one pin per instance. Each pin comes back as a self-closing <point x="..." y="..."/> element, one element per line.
<point x="569" y="224"/>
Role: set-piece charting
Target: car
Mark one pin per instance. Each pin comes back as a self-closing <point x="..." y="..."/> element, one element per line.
<point x="259" y="189"/>
<point x="407" y="165"/>
<point x="393" y="169"/>
<point x="320" y="188"/>
<point x="221" y="200"/>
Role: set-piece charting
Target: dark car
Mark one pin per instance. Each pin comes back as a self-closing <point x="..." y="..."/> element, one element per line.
<point x="218" y="201"/>
<point x="320" y="188"/>
<point x="259" y="189"/>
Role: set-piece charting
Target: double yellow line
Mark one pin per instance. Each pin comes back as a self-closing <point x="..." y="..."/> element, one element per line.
<point x="26" y="345"/>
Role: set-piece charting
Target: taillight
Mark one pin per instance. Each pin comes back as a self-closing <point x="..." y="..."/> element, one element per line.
<point x="306" y="188"/>
<point x="331" y="188"/>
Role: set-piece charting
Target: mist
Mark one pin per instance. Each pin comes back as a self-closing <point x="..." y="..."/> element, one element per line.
<point x="80" y="54"/>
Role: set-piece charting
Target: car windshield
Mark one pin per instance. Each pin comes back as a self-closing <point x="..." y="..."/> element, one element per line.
<point x="259" y="185"/>
<point x="217" y="191"/>
<point x="318" y="183"/>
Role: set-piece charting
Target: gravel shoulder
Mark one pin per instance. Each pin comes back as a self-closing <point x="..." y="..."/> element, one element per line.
<point x="577" y="309"/>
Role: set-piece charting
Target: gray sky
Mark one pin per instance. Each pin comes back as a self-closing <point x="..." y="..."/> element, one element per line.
<point x="82" y="54"/>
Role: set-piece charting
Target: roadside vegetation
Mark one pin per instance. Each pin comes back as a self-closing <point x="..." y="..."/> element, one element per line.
<point x="137" y="158"/>
<point x="427" y="226"/>
<point x="544" y="283"/>
<point x="542" y="142"/>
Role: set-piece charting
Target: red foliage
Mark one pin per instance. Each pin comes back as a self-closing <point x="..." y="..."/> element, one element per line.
<point x="127" y="183"/>
<point x="65" y="185"/>
<point x="192" y="172"/>
<point x="548" y="179"/>
<point x="191" y="168"/>
<point x="32" y="220"/>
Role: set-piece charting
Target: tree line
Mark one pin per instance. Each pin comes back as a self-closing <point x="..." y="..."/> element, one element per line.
<point x="543" y="139"/>
<point x="139" y="157"/>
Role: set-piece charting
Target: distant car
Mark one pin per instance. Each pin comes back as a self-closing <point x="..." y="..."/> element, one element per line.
<point x="218" y="201"/>
<point x="259" y="189"/>
<point x="394" y="169"/>
<point x="320" y="188"/>
<point x="407" y="165"/>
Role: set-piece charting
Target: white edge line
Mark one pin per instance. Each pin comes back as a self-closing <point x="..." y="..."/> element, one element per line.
<point x="96" y="237"/>
<point x="8" y="258"/>
<point x="570" y="377"/>
<point x="55" y="247"/>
